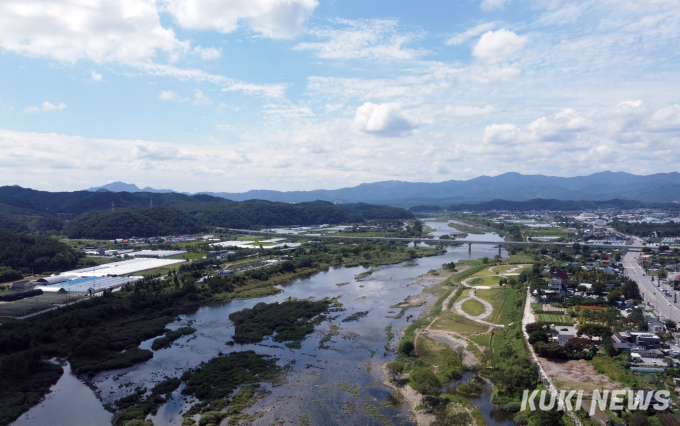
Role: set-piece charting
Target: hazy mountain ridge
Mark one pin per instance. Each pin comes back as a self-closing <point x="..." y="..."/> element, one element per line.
<point x="658" y="188"/>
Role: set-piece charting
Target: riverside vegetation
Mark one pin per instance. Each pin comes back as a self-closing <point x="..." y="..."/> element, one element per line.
<point x="104" y="333"/>
<point x="498" y="353"/>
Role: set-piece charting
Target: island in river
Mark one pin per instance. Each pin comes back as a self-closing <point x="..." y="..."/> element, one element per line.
<point x="335" y="375"/>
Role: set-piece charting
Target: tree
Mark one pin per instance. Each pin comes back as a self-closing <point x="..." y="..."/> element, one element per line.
<point x="662" y="274"/>
<point x="395" y="368"/>
<point x="671" y="325"/>
<point x="639" y="419"/>
<point x="547" y="418"/>
<point x="449" y="266"/>
<point x="412" y="254"/>
<point x="407" y="348"/>
<point x="485" y="260"/>
<point x="425" y="381"/>
<point x="487" y="357"/>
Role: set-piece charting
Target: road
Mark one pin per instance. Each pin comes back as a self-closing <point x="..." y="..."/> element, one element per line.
<point x="662" y="305"/>
<point x="446" y="241"/>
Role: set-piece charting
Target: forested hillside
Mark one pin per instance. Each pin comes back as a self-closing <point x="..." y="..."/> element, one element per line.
<point x="26" y="253"/>
<point x="125" y="223"/>
<point x="648" y="229"/>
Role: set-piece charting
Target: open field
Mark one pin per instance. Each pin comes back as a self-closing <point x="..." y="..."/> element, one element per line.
<point x="473" y="307"/>
<point x="498" y="299"/>
<point x="489" y="280"/>
<point x="432" y="351"/>
<point x="458" y="324"/>
<point x="555" y="319"/>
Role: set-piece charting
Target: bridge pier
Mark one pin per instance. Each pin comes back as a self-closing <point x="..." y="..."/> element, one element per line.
<point x="469" y="247"/>
<point x="500" y="246"/>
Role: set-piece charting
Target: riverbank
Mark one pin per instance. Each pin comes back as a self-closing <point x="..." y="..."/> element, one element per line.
<point x="442" y="344"/>
<point x="104" y="333"/>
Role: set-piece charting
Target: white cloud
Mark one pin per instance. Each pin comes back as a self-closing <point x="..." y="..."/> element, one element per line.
<point x="50" y="107"/>
<point x="228" y="84"/>
<point x="207" y="53"/>
<point x="498" y="45"/>
<point x="461" y="38"/>
<point x="363" y="39"/>
<point x="489" y="5"/>
<point x="271" y="18"/>
<point x="467" y="111"/>
<point x="69" y="30"/>
<point x="167" y="95"/>
<point x="559" y="126"/>
<point x="666" y="118"/>
<point x="500" y="133"/>
<point x="46" y="107"/>
<point x="200" y="98"/>
<point x="96" y="76"/>
<point x="383" y="119"/>
<point x="31" y="110"/>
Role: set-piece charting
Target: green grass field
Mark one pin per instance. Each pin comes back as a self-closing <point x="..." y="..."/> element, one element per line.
<point x="555" y="319"/>
<point x="490" y="280"/>
<point x="473" y="307"/>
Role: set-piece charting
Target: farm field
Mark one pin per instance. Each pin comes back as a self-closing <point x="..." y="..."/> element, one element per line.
<point x="555" y="319"/>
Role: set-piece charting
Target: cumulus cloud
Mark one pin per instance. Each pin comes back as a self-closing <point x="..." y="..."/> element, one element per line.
<point x="167" y="95"/>
<point x="363" y="39"/>
<point x="559" y="126"/>
<point x="494" y="46"/>
<point x="461" y="38"/>
<point x="271" y="18"/>
<point x="46" y="107"/>
<point x="667" y="118"/>
<point x="500" y="133"/>
<point x="96" y="76"/>
<point x="386" y="119"/>
<point x="69" y="30"/>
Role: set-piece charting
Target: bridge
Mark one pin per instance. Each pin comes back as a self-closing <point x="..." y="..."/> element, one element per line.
<point x="435" y="241"/>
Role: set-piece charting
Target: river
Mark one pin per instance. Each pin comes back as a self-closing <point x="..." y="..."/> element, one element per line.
<point x="340" y="382"/>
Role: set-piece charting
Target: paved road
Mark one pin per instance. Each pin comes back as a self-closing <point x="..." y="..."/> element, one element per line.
<point x="662" y="304"/>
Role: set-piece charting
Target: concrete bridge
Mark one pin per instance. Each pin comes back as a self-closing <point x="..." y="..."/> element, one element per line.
<point x="436" y="241"/>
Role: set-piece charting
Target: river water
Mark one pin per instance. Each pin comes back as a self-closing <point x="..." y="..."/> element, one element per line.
<point x="336" y="383"/>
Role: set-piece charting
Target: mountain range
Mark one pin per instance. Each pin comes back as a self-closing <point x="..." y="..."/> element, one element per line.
<point x="656" y="188"/>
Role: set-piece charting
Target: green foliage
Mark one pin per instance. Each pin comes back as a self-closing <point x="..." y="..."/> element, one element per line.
<point x="423" y="380"/>
<point x="644" y="229"/>
<point x="26" y="252"/>
<point x="395" y="368"/>
<point x="407" y="348"/>
<point x="220" y="376"/>
<point x="469" y="388"/>
<point x="291" y="320"/>
<point x="171" y="336"/>
<point x="125" y="223"/>
<point x="9" y="274"/>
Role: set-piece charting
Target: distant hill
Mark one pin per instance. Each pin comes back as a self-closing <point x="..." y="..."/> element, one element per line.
<point x="656" y="188"/>
<point x="27" y="253"/>
<point x="106" y="214"/>
<point x="126" y="187"/>
<point x="549" y="205"/>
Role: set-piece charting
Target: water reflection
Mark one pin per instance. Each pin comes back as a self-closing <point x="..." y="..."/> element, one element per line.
<point x="69" y="403"/>
<point x="336" y="381"/>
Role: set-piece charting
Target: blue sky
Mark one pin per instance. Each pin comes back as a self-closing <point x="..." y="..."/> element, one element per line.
<point x="232" y="95"/>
